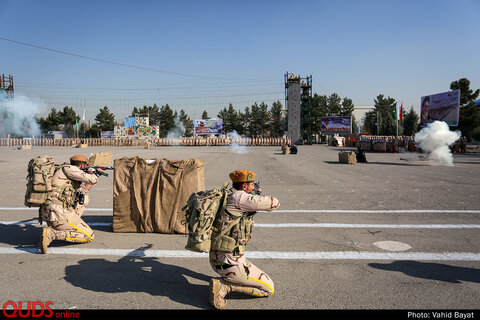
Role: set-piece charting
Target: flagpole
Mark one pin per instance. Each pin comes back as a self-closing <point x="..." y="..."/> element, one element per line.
<point x="396" y="117"/>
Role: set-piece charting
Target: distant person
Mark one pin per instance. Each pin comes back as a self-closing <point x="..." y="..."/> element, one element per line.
<point x="361" y="157"/>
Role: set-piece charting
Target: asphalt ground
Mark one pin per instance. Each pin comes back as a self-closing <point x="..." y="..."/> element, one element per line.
<point x="388" y="234"/>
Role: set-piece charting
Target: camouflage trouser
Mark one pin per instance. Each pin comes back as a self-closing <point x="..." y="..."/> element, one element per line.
<point x="67" y="224"/>
<point x="243" y="272"/>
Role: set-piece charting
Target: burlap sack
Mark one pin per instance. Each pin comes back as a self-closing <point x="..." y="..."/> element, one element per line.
<point x="148" y="195"/>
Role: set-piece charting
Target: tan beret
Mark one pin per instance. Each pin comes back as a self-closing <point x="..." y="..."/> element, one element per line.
<point x="79" y="157"/>
<point x="242" y="176"/>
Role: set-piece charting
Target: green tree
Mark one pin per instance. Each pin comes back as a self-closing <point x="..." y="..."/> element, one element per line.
<point x="469" y="113"/>
<point x="381" y="120"/>
<point x="166" y="120"/>
<point x="334" y="106"/>
<point x="277" y="122"/>
<point x="410" y="122"/>
<point x="205" y="115"/>
<point x="105" y="120"/>
<point x="51" y="122"/>
<point x="347" y="107"/>
<point x="187" y="123"/>
<point x="244" y="122"/>
<point x="346" y="110"/>
<point x="69" y="116"/>
<point x="229" y="118"/>
<point x="319" y="110"/>
<point x="259" y="119"/>
<point x="151" y="112"/>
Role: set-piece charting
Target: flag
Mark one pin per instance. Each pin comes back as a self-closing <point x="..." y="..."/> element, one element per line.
<point x="401" y="111"/>
<point x="396" y="113"/>
<point x="83" y="118"/>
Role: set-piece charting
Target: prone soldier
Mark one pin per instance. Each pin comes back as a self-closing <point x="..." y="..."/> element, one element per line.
<point x="63" y="208"/>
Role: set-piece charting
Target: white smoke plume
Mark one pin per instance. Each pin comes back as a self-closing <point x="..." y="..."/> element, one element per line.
<point x="435" y="139"/>
<point x="17" y="117"/>
<point x="176" y="133"/>
<point x="236" y="142"/>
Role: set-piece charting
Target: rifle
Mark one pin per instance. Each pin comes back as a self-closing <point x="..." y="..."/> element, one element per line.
<point x="257" y="186"/>
<point x="97" y="172"/>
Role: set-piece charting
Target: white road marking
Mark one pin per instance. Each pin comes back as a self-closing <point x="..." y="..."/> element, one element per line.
<point x="289" y="255"/>
<point x="380" y="211"/>
<point x="369" y="225"/>
<point x="306" y="225"/>
<point x="295" y="211"/>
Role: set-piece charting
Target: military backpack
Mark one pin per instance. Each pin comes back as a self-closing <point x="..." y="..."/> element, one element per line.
<point x="39" y="180"/>
<point x="201" y="211"/>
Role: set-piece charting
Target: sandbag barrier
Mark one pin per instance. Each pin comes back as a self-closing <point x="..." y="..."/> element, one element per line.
<point x="128" y="142"/>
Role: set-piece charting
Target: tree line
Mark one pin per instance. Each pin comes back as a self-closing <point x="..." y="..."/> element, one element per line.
<point x="261" y="120"/>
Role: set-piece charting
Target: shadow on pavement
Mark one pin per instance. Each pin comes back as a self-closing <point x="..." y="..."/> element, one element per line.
<point x="140" y="274"/>
<point x="431" y="271"/>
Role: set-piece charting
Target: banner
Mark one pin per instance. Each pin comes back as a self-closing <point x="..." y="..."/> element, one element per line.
<point x="130" y="126"/>
<point x="208" y="126"/>
<point x="107" y="134"/>
<point x="334" y="125"/>
<point x="145" y="131"/>
<point x="441" y="106"/>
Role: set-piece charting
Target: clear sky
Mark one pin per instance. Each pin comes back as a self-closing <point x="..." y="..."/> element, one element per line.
<point x="203" y="55"/>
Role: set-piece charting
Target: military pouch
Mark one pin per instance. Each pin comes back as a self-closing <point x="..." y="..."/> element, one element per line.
<point x="223" y="243"/>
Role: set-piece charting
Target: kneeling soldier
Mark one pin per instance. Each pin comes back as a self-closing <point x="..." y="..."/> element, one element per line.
<point x="61" y="210"/>
<point x="227" y="256"/>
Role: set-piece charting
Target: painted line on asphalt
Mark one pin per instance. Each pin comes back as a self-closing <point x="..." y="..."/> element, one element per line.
<point x="305" y="225"/>
<point x="295" y="211"/>
<point x="363" y="225"/>
<point x="282" y="255"/>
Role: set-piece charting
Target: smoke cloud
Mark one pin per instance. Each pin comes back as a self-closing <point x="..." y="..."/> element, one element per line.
<point x="236" y="142"/>
<point x="435" y="139"/>
<point x="177" y="132"/>
<point x="17" y="117"/>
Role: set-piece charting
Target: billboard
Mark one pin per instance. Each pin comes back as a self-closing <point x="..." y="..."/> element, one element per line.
<point x="107" y="134"/>
<point x="208" y="126"/>
<point x="130" y="126"/>
<point x="441" y="106"/>
<point x="146" y="131"/>
<point x="334" y="125"/>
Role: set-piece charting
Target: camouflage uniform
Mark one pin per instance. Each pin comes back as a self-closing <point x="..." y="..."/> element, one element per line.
<point x="63" y="220"/>
<point x="238" y="274"/>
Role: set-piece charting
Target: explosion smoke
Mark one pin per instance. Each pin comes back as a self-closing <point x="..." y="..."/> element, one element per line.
<point x="177" y="132"/>
<point x="236" y="140"/>
<point x="17" y="117"/>
<point x="435" y="139"/>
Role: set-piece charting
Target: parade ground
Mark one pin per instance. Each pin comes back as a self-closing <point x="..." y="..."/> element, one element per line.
<point x="387" y="234"/>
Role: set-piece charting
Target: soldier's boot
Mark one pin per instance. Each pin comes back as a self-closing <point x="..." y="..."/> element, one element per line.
<point x="45" y="239"/>
<point x="219" y="288"/>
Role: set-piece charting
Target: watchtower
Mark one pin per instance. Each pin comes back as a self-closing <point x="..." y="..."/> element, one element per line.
<point x="298" y="99"/>
<point x="6" y="86"/>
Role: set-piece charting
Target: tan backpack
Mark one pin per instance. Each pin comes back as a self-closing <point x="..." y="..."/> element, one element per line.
<point x="39" y="180"/>
<point x="201" y="211"/>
